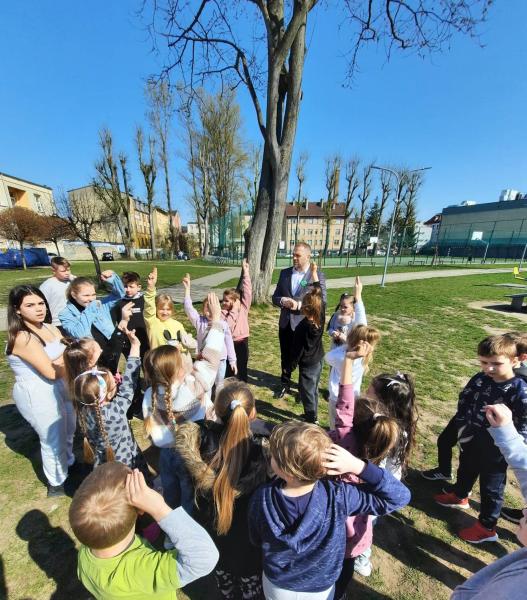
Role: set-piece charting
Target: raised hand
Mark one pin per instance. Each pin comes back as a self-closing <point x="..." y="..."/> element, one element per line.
<point x="151" y="280"/>
<point x="338" y="461"/>
<point x="245" y="266"/>
<point x="186" y="283"/>
<point x="358" y="289"/>
<point x="214" y="307"/>
<point x="105" y="275"/>
<point x="360" y="351"/>
<point x="144" y="498"/>
<point x="126" y="311"/>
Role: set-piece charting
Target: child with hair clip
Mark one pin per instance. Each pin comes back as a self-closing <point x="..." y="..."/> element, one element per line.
<point x="160" y="317"/>
<point x="202" y="325"/>
<point x="308" y="350"/>
<point x="85" y="316"/>
<point x="101" y="409"/>
<point x="396" y="396"/>
<point x="349" y="312"/>
<point x="228" y="461"/>
<point x="298" y="519"/>
<point x="235" y="310"/>
<point x="80" y="355"/>
<point x="180" y="391"/>
<point x="335" y="359"/>
<point x="365" y="428"/>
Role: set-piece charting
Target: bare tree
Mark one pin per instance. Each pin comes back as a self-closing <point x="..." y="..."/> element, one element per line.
<point x="160" y="113"/>
<point x="363" y="196"/>
<point x="332" y="173"/>
<point x="386" y="190"/>
<point x="203" y="41"/>
<point x="352" y="183"/>
<point x="107" y="187"/>
<point x="220" y="123"/>
<point x="300" y="172"/>
<point x="85" y="218"/>
<point x="149" y="170"/>
<point x="56" y="228"/>
<point x="23" y="226"/>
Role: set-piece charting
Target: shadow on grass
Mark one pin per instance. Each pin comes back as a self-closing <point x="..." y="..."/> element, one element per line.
<point x="269" y="411"/>
<point x="21" y="438"/>
<point x="357" y="589"/>
<point x="53" y="550"/>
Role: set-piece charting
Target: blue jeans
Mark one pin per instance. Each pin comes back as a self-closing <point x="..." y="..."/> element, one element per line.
<point x="178" y="489"/>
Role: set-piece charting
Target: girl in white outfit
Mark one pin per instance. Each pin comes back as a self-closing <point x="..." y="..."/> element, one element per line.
<point x="34" y="352"/>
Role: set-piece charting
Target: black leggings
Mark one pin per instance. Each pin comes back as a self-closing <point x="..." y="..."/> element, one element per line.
<point x="346" y="575"/>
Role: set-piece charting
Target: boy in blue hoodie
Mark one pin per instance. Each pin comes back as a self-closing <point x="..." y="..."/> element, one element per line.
<point x="299" y="518"/>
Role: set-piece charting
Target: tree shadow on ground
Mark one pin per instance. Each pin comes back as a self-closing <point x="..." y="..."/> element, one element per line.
<point x="357" y="589"/>
<point x="53" y="550"/>
<point x="269" y="411"/>
<point x="3" y="588"/>
<point x="21" y="438"/>
<point x="266" y="380"/>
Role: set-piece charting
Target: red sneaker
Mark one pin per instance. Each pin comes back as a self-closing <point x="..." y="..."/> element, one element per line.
<point x="478" y="534"/>
<point x="451" y="500"/>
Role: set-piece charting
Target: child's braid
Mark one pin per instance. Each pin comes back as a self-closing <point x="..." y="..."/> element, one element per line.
<point x="109" y="450"/>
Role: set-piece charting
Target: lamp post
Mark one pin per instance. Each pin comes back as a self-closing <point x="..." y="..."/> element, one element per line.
<point x="397" y="200"/>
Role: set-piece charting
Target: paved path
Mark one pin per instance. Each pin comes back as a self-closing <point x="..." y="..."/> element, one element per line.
<point x="203" y="285"/>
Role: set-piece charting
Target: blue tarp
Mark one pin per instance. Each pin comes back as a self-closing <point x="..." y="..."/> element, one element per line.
<point x="35" y="257"/>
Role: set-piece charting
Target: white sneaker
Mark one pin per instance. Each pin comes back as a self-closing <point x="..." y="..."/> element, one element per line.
<point x="363" y="566"/>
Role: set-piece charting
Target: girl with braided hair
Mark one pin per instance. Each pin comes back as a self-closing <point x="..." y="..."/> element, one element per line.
<point x="101" y="409"/>
<point x="180" y="391"/>
<point x="228" y="460"/>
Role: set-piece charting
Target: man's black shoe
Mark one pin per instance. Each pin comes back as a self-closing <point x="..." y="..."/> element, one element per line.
<point x="513" y="515"/>
<point x="285" y="390"/>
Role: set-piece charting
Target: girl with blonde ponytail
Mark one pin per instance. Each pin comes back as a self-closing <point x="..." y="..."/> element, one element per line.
<point x="227" y="462"/>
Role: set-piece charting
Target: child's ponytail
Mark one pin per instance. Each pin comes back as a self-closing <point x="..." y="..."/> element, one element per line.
<point x="234" y="404"/>
<point x="377" y="432"/>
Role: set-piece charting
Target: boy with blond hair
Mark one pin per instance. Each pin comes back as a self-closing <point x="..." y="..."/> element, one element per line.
<point x="496" y="383"/>
<point x="113" y="561"/>
<point x="299" y="519"/>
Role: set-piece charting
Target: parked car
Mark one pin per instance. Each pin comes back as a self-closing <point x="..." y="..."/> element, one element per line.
<point x="52" y="254"/>
<point x="106" y="256"/>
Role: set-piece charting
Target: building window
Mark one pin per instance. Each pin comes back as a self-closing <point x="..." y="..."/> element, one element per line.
<point x="337" y="231"/>
<point x="38" y="203"/>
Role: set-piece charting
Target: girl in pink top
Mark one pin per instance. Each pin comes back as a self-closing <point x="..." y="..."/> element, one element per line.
<point x="368" y="432"/>
<point x="235" y="310"/>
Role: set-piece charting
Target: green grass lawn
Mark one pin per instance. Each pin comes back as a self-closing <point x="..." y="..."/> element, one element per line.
<point x="428" y="331"/>
<point x="169" y="272"/>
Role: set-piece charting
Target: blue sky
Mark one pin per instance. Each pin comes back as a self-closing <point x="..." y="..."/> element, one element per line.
<point x="69" y="68"/>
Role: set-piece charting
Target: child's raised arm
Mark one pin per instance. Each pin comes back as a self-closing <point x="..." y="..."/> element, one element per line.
<point x="247" y="289"/>
<point x="149" y="312"/>
<point x="117" y="288"/>
<point x="360" y="309"/>
<point x="381" y="495"/>
<point x="509" y="441"/>
<point x="190" y="311"/>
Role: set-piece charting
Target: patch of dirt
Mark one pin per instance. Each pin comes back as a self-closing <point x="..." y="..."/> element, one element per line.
<point x="500" y="309"/>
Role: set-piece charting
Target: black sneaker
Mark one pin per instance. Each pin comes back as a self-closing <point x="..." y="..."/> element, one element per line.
<point x="512" y="514"/>
<point x="283" y="391"/>
<point x="56" y="491"/>
<point x="448" y="488"/>
<point x="435" y="475"/>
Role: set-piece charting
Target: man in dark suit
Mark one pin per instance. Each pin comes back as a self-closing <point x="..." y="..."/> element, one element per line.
<point x="292" y="286"/>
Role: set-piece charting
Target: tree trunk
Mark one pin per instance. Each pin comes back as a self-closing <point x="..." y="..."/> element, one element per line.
<point x="174" y="245"/>
<point x="95" y="259"/>
<point x="206" y="248"/>
<point x="153" y="249"/>
<point x="22" y="256"/>
<point x="264" y="233"/>
<point x="344" y="231"/>
<point x="56" y="246"/>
